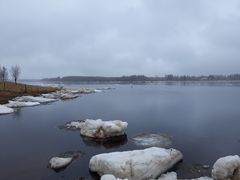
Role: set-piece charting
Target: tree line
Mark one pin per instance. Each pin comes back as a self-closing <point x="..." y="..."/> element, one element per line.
<point x="142" y="78"/>
<point x="14" y="71"/>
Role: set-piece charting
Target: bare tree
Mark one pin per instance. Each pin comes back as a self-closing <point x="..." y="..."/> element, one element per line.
<point x="3" y="74"/>
<point x="15" y="72"/>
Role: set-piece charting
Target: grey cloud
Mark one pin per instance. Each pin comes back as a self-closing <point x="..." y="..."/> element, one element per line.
<point x="113" y="38"/>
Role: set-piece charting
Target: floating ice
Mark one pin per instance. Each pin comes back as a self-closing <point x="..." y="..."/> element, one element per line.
<point x="149" y="140"/>
<point x="136" y="165"/>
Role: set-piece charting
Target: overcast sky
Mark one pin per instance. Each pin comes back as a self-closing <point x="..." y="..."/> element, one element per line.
<point x="51" y="38"/>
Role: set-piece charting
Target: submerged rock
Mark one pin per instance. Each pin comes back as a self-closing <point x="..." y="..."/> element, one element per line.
<point x="59" y="162"/>
<point x="227" y="168"/>
<point x="102" y="129"/>
<point x="34" y="99"/>
<point x="149" y="140"/>
<point x="5" y="110"/>
<point x="136" y="165"/>
<point x="16" y="104"/>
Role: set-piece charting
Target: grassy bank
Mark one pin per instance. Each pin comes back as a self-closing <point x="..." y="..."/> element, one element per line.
<point x="11" y="90"/>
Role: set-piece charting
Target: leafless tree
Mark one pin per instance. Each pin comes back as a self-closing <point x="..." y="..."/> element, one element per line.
<point x="3" y="74"/>
<point x="15" y="72"/>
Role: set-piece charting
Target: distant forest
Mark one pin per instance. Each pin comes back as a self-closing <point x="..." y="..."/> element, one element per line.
<point x="142" y="78"/>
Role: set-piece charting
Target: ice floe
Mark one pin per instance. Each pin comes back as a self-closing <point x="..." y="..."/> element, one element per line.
<point x="167" y="176"/>
<point x="227" y="168"/>
<point x="110" y="177"/>
<point x="34" y="99"/>
<point x="137" y="164"/>
<point x="149" y="140"/>
<point x="59" y="162"/>
<point x="55" y="95"/>
<point x="74" y="125"/>
<point x="102" y="129"/>
<point x="69" y="96"/>
<point x="5" y="110"/>
<point x="17" y="104"/>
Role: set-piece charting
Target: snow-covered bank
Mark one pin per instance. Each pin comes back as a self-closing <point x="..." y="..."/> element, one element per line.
<point x="136" y="165"/>
<point x="63" y="94"/>
<point x="5" y="110"/>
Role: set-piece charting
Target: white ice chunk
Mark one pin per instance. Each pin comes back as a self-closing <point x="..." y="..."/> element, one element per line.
<point x="150" y="140"/>
<point x="16" y="104"/>
<point x="5" y="110"/>
<point x="168" y="176"/>
<point x="136" y="165"/>
<point x="66" y="96"/>
<point x="59" y="162"/>
<point x="34" y="99"/>
<point x="203" y="178"/>
<point x="102" y="129"/>
<point x="110" y="177"/>
<point x="227" y="168"/>
<point x="97" y="90"/>
<point x="73" y="125"/>
<point x="54" y="95"/>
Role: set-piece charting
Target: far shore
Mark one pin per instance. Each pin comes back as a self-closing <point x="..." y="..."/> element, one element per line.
<point x="11" y="90"/>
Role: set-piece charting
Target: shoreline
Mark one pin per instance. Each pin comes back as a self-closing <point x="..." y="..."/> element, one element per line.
<point x="12" y="90"/>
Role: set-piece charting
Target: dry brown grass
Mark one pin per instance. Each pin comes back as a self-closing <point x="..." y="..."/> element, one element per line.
<point x="11" y="90"/>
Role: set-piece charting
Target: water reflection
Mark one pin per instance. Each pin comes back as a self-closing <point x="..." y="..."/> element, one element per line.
<point x="113" y="142"/>
<point x="186" y="170"/>
<point x="17" y="113"/>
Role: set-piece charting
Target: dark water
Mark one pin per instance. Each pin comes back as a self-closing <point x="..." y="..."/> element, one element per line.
<point x="204" y="121"/>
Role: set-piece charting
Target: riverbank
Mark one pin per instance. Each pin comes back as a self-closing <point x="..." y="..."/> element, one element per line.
<point x="11" y="90"/>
